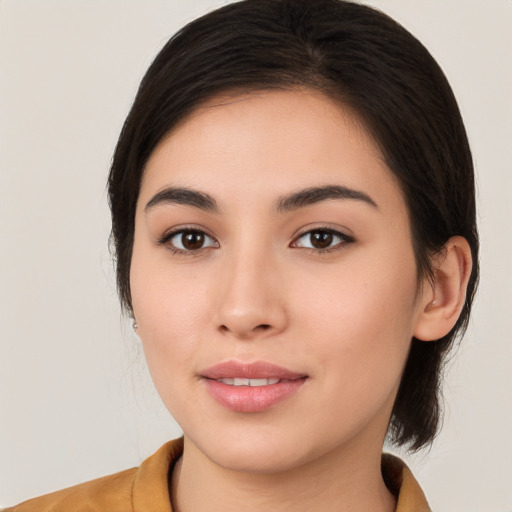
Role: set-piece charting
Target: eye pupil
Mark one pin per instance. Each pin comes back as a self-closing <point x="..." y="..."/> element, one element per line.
<point x="321" y="239"/>
<point x="192" y="241"/>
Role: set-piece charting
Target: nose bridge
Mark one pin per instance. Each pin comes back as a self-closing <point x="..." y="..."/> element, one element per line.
<point x="250" y="302"/>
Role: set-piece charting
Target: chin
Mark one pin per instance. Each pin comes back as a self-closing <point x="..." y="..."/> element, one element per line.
<point x="257" y="461"/>
<point x="250" y="450"/>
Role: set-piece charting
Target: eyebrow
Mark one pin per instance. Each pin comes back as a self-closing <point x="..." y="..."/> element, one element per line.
<point x="172" y="195"/>
<point x="310" y="196"/>
<point x="294" y="201"/>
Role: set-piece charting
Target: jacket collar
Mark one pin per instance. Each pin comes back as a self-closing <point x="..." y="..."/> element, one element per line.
<point x="151" y="489"/>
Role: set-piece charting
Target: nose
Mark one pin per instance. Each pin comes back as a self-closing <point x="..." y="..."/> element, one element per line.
<point x="251" y="301"/>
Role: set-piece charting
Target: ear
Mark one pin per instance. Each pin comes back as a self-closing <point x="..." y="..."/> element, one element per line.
<point x="443" y="299"/>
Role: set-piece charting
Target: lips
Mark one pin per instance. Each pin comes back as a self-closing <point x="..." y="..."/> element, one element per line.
<point x="251" y="387"/>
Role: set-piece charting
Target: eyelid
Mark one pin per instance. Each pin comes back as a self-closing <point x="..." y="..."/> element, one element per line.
<point x="166" y="238"/>
<point x="344" y="237"/>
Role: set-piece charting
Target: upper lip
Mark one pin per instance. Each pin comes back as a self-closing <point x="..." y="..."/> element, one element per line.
<point x="249" y="370"/>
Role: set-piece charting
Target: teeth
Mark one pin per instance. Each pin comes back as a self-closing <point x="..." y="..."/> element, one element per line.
<point x="262" y="382"/>
<point x="248" y="382"/>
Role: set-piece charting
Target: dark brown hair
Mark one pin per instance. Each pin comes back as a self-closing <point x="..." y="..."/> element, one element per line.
<point x="368" y="62"/>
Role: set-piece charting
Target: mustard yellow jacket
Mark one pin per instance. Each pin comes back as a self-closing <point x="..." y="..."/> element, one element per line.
<point x="145" y="489"/>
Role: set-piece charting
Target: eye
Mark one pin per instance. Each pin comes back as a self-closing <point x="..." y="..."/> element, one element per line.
<point x="188" y="240"/>
<point x="322" y="240"/>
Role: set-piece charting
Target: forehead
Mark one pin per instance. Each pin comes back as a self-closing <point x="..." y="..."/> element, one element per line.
<point x="270" y="141"/>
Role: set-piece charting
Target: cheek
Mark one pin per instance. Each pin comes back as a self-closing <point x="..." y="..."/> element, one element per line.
<point x="166" y="298"/>
<point x="359" y="321"/>
<point x="170" y="316"/>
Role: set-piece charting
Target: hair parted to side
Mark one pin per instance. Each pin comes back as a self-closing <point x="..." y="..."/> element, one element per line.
<point x="361" y="58"/>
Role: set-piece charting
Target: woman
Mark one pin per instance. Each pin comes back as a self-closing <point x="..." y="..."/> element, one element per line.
<point x="293" y="216"/>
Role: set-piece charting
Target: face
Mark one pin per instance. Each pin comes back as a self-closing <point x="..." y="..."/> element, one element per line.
<point x="273" y="281"/>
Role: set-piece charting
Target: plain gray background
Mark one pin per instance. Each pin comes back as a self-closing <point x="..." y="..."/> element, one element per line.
<point x="76" y="401"/>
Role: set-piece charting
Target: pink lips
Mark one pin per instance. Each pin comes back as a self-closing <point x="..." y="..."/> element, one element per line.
<point x="253" y="397"/>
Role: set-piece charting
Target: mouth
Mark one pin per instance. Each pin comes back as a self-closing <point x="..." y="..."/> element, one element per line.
<point x="251" y="387"/>
<point x="237" y="381"/>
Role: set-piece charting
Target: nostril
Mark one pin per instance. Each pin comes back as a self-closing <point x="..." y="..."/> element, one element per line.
<point x="261" y="327"/>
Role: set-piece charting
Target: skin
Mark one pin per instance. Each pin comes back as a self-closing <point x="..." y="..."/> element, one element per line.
<point x="258" y="291"/>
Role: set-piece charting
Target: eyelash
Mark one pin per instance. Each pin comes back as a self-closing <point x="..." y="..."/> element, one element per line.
<point x="165" y="240"/>
<point x="344" y="239"/>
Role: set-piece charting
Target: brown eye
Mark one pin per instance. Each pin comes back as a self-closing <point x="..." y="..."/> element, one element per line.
<point x="192" y="241"/>
<point x="189" y="240"/>
<point x="322" y="240"/>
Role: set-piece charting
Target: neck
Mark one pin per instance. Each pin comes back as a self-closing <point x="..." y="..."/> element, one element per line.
<point x="342" y="480"/>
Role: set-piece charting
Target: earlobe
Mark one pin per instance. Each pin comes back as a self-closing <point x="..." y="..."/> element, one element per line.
<point x="444" y="297"/>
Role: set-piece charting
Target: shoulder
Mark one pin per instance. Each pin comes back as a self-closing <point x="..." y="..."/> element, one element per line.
<point x="401" y="482"/>
<point x="112" y="493"/>
<point x="140" y="488"/>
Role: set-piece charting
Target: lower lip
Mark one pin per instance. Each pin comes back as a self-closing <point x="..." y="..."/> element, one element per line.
<point x="252" y="399"/>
